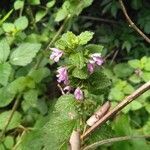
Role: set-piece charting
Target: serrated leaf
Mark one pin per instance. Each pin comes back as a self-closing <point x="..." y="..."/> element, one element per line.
<point x="77" y="60"/>
<point x="5" y="71"/>
<point x="100" y="82"/>
<point x="18" y="4"/>
<point x="80" y="73"/>
<point x="61" y="123"/>
<point x="85" y="37"/>
<point x="21" y="23"/>
<point x="15" y="121"/>
<point x="4" y="50"/>
<point x="93" y="48"/>
<point x="24" y="54"/>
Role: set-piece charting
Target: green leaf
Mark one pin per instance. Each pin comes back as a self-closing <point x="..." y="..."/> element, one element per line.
<point x="100" y="82"/>
<point x="39" y="15"/>
<point x="135" y="105"/>
<point x="39" y="74"/>
<point x="77" y="60"/>
<point x="61" y="123"/>
<point x="15" y="121"/>
<point x="85" y="37"/>
<point x="135" y="63"/>
<point x="4" y="50"/>
<point x="80" y="73"/>
<point x="93" y="48"/>
<point x="146" y="76"/>
<point x="147" y="65"/>
<point x="128" y="89"/>
<point x="61" y="14"/>
<point x="18" y="4"/>
<point x="5" y="71"/>
<point x="2" y="146"/>
<point x="121" y="125"/>
<point x="122" y="70"/>
<point x="34" y="2"/>
<point x="24" y="54"/>
<point x="21" y="23"/>
<point x="20" y="84"/>
<point x="8" y="27"/>
<point x="9" y="142"/>
<point x="5" y="97"/>
<point x="135" y="79"/>
<point x="32" y="140"/>
<point x="51" y="3"/>
<point x="146" y="128"/>
<point x="30" y="99"/>
<point x="116" y="94"/>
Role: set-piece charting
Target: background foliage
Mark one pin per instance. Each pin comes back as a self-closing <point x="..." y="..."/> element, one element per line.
<point x="41" y="120"/>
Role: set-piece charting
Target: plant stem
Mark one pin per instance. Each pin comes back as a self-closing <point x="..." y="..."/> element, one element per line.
<point x="112" y="140"/>
<point x="131" y="23"/>
<point x="58" y="33"/>
<point x="145" y="87"/>
<point x="20" y="140"/>
<point x="11" y="115"/>
<point x="52" y="41"/>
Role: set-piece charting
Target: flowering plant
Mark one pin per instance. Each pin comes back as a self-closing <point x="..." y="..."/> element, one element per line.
<point x="80" y="62"/>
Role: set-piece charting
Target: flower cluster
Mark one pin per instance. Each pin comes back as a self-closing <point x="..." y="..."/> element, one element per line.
<point x="62" y="72"/>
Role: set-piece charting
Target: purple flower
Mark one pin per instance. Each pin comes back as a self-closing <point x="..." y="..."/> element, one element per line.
<point x="56" y="54"/>
<point x="78" y="94"/>
<point x="91" y="67"/>
<point x="95" y="59"/>
<point x="62" y="75"/>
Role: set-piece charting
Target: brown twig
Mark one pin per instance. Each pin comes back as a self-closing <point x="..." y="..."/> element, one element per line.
<point x="112" y="140"/>
<point x="114" y="56"/>
<point x="131" y="23"/>
<point x="116" y="109"/>
<point x="99" y="19"/>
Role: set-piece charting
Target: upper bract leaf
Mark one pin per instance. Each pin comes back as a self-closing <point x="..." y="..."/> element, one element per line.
<point x="24" y="54"/>
<point x="85" y="37"/>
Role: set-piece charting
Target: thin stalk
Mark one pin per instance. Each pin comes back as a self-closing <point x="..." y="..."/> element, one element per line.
<point x="52" y="41"/>
<point x="10" y="117"/>
<point x="113" y="140"/>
